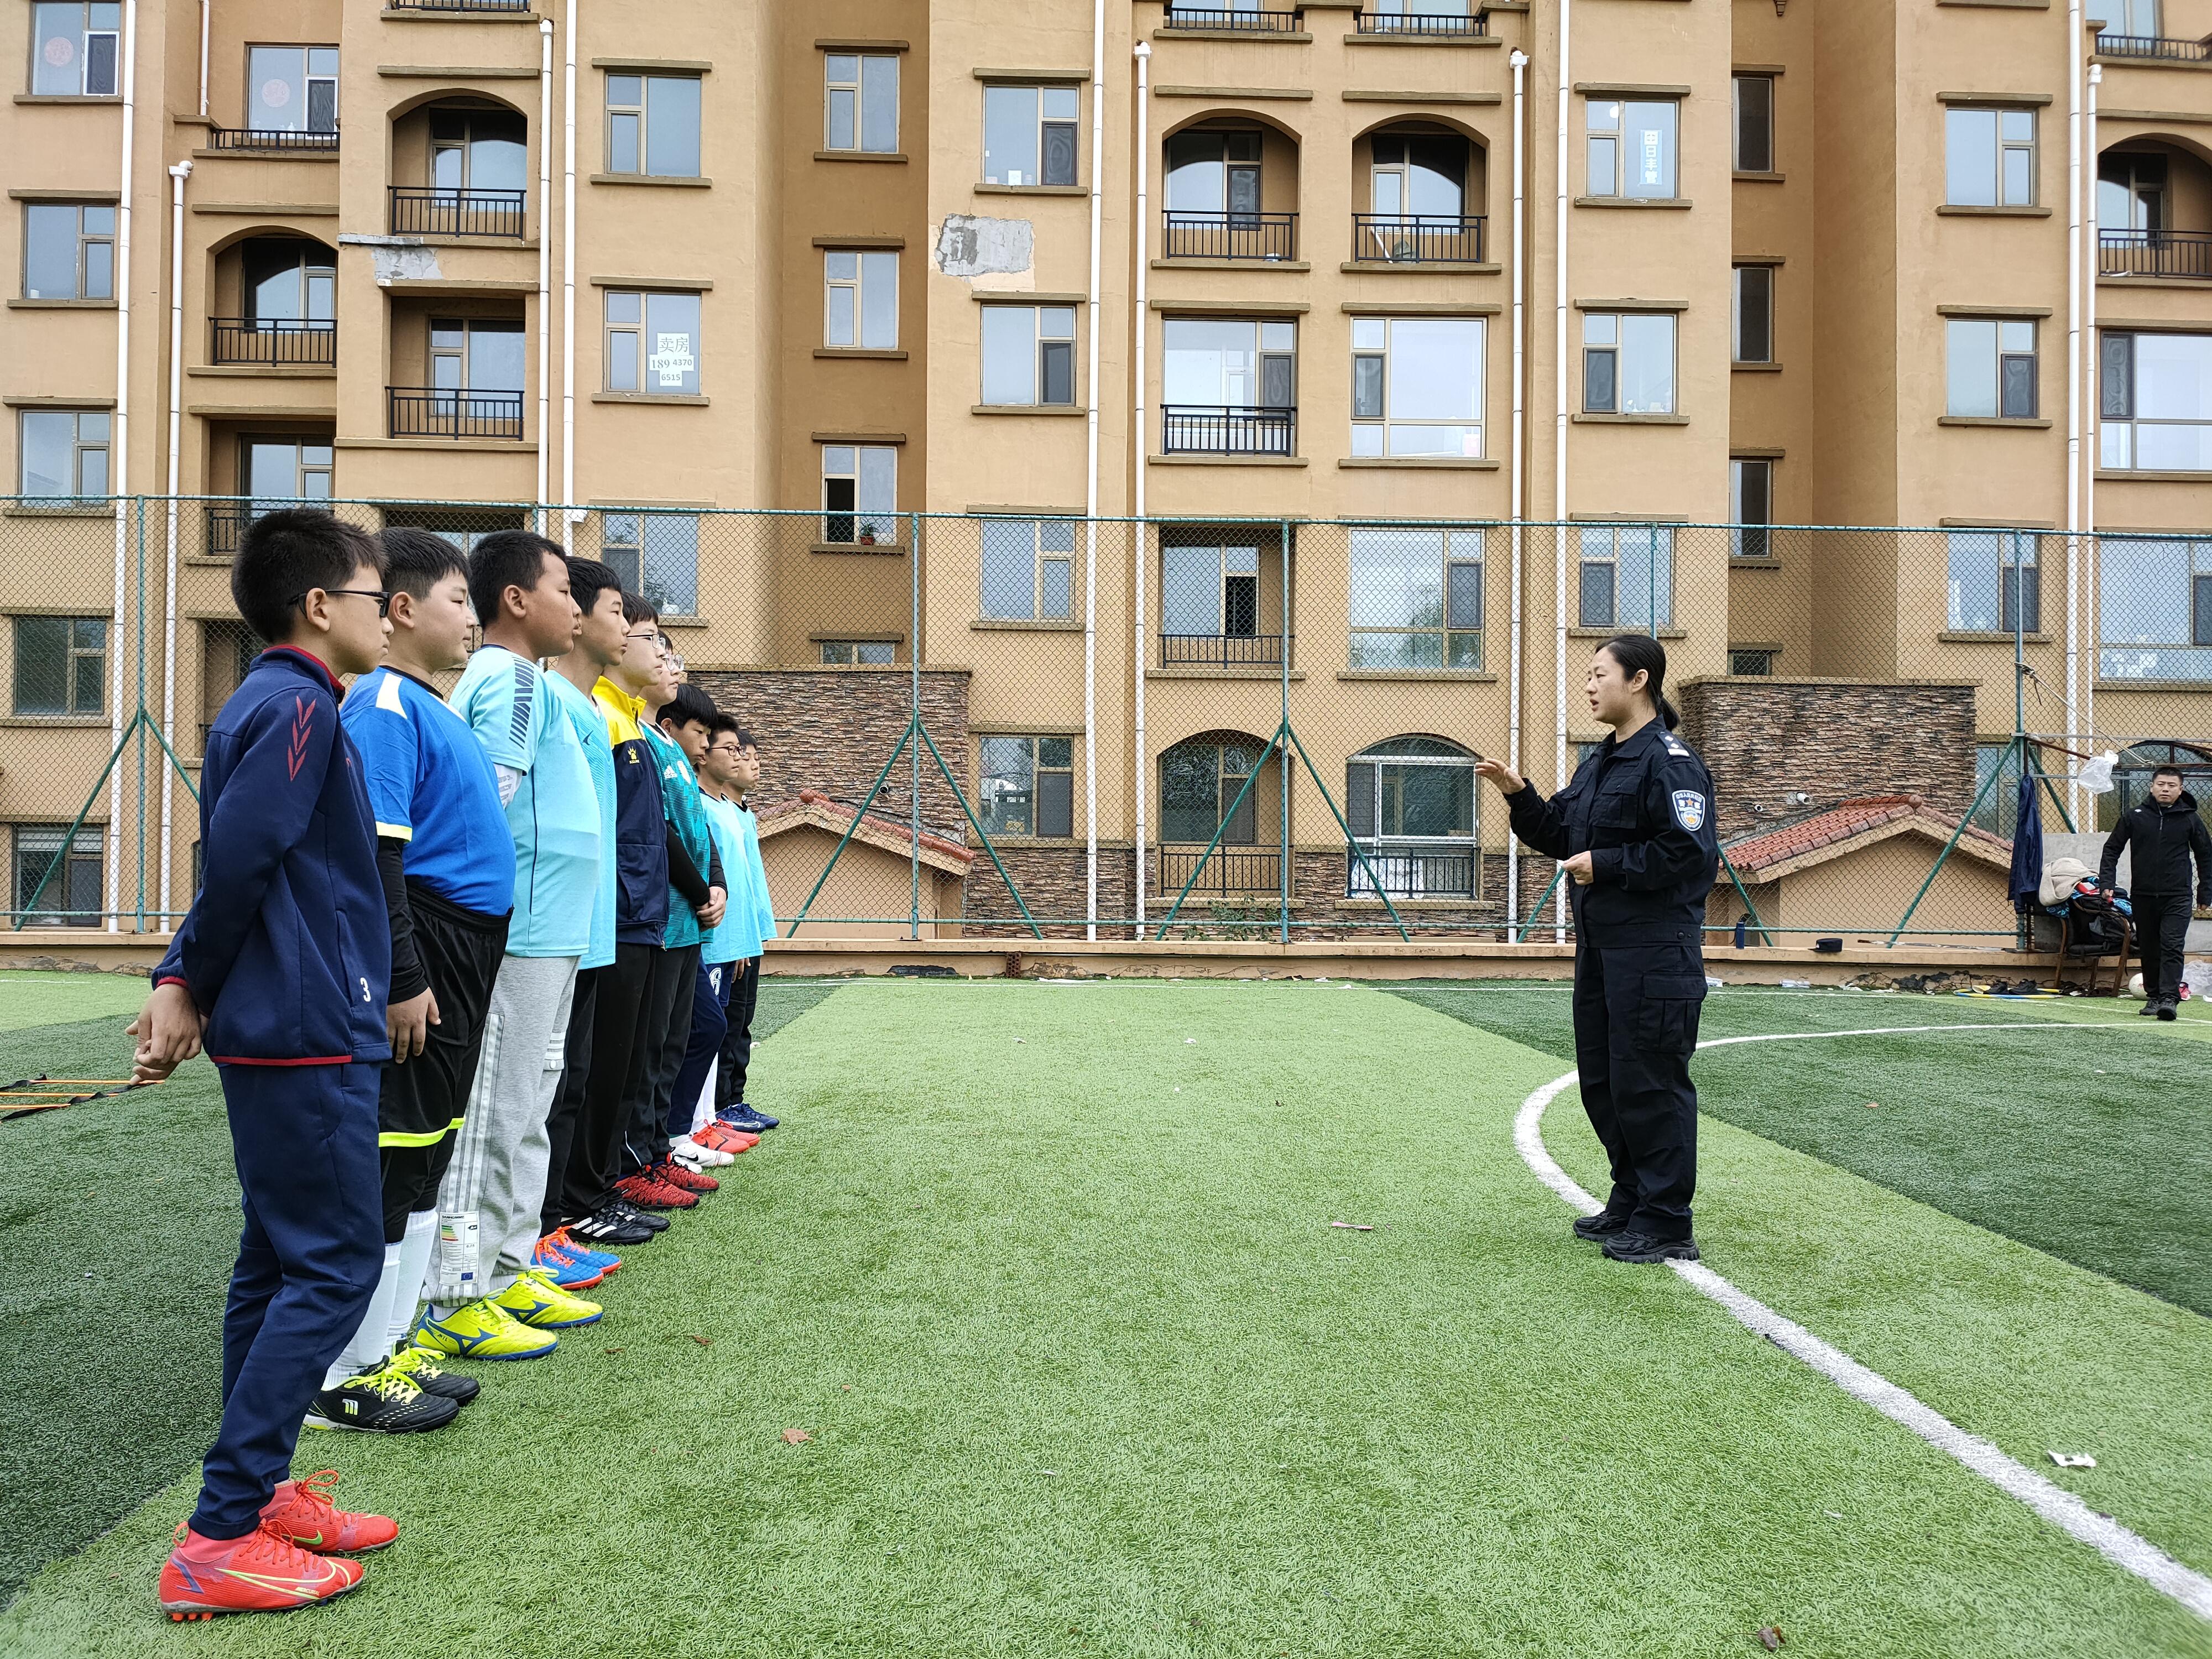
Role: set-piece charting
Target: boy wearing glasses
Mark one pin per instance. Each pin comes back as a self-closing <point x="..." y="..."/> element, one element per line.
<point x="491" y="1302"/>
<point x="281" y="970"/>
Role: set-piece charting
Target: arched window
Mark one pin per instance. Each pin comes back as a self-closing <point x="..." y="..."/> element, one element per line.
<point x="1410" y="804"/>
<point x="1200" y="781"/>
<point x="2131" y="778"/>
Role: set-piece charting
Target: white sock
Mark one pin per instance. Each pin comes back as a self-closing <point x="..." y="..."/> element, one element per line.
<point x="703" y="1113"/>
<point x="415" y="1252"/>
<point x="365" y="1348"/>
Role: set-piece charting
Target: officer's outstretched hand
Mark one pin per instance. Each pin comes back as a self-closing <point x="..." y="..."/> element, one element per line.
<point x="1509" y="780"/>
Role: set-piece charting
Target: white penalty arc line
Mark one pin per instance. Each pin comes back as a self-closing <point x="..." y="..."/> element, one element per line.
<point x="2116" y="1543"/>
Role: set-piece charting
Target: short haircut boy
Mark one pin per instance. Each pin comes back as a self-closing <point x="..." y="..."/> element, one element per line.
<point x="417" y="561"/>
<point x="636" y="608"/>
<point x="505" y="559"/>
<point x="288" y="554"/>
<point x="690" y="703"/>
<point x="587" y="580"/>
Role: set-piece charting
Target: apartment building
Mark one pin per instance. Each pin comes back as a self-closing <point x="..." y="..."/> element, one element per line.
<point x="1357" y="284"/>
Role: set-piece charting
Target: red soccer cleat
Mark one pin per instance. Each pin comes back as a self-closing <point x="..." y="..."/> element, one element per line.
<point x="301" y="1513"/>
<point x="647" y="1192"/>
<point x="721" y="1138"/>
<point x="669" y="1172"/>
<point x="258" y="1573"/>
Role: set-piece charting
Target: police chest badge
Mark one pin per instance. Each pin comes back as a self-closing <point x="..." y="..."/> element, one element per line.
<point x="1690" y="810"/>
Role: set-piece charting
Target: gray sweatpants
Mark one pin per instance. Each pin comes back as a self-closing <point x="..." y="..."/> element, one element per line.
<point x="495" y="1188"/>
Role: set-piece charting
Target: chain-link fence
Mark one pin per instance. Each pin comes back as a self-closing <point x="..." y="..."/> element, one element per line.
<point x="1019" y="724"/>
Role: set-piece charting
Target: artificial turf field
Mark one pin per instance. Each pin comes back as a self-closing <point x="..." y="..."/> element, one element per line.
<point x="1045" y="1272"/>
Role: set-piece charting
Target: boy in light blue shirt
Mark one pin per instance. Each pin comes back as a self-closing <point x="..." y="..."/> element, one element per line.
<point x="737" y="785"/>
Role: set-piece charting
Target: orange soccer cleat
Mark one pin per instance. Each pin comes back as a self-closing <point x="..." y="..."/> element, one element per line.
<point x="261" y="1572"/>
<point x="670" y="1173"/>
<point x="301" y="1513"/>
<point x="723" y="1139"/>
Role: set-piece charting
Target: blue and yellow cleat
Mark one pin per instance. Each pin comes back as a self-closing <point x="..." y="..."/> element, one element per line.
<point x="536" y="1301"/>
<point x="482" y="1329"/>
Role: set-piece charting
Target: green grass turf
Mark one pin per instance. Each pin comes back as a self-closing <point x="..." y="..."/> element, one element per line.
<point x="119" y="1222"/>
<point x="29" y="997"/>
<point x="1053" y="1288"/>
<point x="2094" y="1150"/>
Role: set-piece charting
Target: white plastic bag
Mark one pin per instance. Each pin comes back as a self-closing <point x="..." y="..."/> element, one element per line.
<point x="2096" y="775"/>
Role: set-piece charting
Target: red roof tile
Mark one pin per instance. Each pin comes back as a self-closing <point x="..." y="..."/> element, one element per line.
<point x="1848" y="822"/>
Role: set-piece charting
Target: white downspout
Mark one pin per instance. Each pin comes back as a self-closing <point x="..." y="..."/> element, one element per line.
<point x="1090" y="498"/>
<point x="118" y="454"/>
<point x="568" y="283"/>
<point x="1142" y="242"/>
<point x="1520" y="461"/>
<point x="204" y="5"/>
<point x="1559" y="454"/>
<point x="2074" y="379"/>
<point x="544" y="262"/>
<point x="178" y="174"/>
<point x="2092" y="440"/>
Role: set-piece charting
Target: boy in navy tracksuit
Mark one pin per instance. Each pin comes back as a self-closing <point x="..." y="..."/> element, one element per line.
<point x="281" y="971"/>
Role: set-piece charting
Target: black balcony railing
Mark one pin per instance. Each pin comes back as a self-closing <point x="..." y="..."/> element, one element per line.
<point x="1221" y="650"/>
<point x="1259" y="236"/>
<point x="1417" y="239"/>
<point x="2155" y="46"/>
<point x="418" y="210"/>
<point x="2155" y="253"/>
<point x="425" y="412"/>
<point x="456" y="5"/>
<point x="264" y="138"/>
<point x="1416" y="23"/>
<point x="272" y="340"/>
<point x="1225" y="429"/>
<point x="1232" y="872"/>
<point x="1410" y="872"/>
<point x="226" y="527"/>
<point x="1231" y="17"/>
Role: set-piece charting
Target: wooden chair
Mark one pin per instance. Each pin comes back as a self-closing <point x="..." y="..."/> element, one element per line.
<point x="2093" y="966"/>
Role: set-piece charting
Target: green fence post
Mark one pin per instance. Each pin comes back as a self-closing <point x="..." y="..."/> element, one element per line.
<point x="1251" y="778"/>
<point x="1381" y="891"/>
<point x="837" y="853"/>
<point x="2012" y="748"/>
<point x="1537" y="910"/>
<point x="960" y="795"/>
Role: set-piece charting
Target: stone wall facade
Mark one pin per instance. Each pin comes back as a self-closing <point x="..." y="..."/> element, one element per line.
<point x="1765" y="740"/>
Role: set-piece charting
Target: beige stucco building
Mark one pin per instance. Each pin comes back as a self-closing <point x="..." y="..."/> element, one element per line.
<point x="1319" y="273"/>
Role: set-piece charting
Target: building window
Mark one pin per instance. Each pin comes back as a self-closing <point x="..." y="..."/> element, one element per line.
<point x="64" y="452"/>
<point x="61" y="666"/>
<point x="1029" y="356"/>
<point x="1029" y="569"/>
<point x="1993" y="587"/>
<point x="1409" y="803"/>
<point x="1631" y="147"/>
<point x="2155" y="608"/>
<point x="64" y="885"/>
<point x="75" y="49"/>
<point x="858" y="653"/>
<point x="1989" y="157"/>
<point x="292" y="88"/>
<point x="860" y="305"/>
<point x="290" y="280"/>
<point x="1030" y="135"/>
<point x="479" y="150"/>
<point x="1209" y="597"/>
<point x="652" y="342"/>
<point x="1028" y="787"/>
<point x="276" y="472"/>
<point x="1751" y="315"/>
<point x="1212" y="173"/>
<point x="1200" y="782"/>
<point x="1628" y="362"/>
<point x="226" y="653"/>
<point x="2156" y="402"/>
<point x="1757" y="664"/>
<point x="1417" y="385"/>
<point x="860" y="493"/>
<point x="1754" y="123"/>
<point x="1416" y="598"/>
<point x="655" y="553"/>
<point x="1751" y="508"/>
<point x="1992" y="368"/>
<point x="1229" y="386"/>
<point x="860" y="104"/>
<point x="1627" y="576"/>
<point x="69" y="250"/>
<point x="2129" y="19"/>
<point x="2132" y="192"/>
<point x="652" y="125"/>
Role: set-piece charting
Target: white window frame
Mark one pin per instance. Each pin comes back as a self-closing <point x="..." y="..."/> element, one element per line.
<point x="2006" y="334"/>
<point x="84" y="33"/>
<point x="2133" y="642"/>
<point x="1604" y="333"/>
<point x="1458" y="550"/>
<point x="2120" y="422"/>
<point x="629" y="342"/>
<point x="310" y="76"/>
<point x="2003" y="188"/>
<point x="1043" y="125"/>
<point x="2019" y="581"/>
<point x="663" y="548"/>
<point x="855" y="89"/>
<point x="1375" y="429"/>
<point x="858" y="653"/>
<point x="84" y="667"/>
<point x="870" y="526"/>
<point x="1606" y="126"/>
<point x="1387" y="851"/>
<point x="80" y="448"/>
<point x="1042" y="349"/>
<point x="1599" y="545"/>
<point x="54" y="841"/>
<point x="871" y="270"/>
<point x="988" y="805"/>
<point x="86" y="239"/>
<point x="1044" y="539"/>
<point x="639" y="114"/>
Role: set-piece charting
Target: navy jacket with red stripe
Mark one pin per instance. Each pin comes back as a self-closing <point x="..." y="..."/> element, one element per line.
<point x="287" y="949"/>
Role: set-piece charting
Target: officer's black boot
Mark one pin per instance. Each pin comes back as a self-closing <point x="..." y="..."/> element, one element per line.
<point x="1641" y="1249"/>
<point x="1604" y="1224"/>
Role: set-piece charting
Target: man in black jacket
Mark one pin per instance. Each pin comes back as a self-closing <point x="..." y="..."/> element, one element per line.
<point x="2165" y="833"/>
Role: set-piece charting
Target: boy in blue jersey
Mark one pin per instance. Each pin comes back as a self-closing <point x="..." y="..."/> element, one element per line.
<point x="491" y="1302"/>
<point x="678" y="736"/>
<point x="449" y="870"/>
<point x="281" y="970"/>
<point x="584" y="1236"/>
<point x="734" y="1113"/>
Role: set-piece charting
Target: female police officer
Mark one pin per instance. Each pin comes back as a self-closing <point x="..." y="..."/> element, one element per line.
<point x="1634" y="831"/>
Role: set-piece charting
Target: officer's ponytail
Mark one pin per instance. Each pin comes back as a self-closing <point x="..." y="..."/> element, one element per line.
<point x="1641" y="653"/>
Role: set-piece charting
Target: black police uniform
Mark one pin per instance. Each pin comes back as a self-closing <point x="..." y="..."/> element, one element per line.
<point x="1643" y="808"/>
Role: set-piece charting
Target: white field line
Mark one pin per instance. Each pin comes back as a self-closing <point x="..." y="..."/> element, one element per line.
<point x="2115" y="1542"/>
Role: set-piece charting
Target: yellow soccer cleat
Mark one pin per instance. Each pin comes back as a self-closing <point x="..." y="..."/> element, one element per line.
<point x="482" y="1330"/>
<point x="536" y="1301"/>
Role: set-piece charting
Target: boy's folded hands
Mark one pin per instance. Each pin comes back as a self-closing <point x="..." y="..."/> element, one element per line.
<point x="168" y="1030"/>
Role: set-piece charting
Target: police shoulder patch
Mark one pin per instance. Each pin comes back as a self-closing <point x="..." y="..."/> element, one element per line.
<point x="1690" y="810"/>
